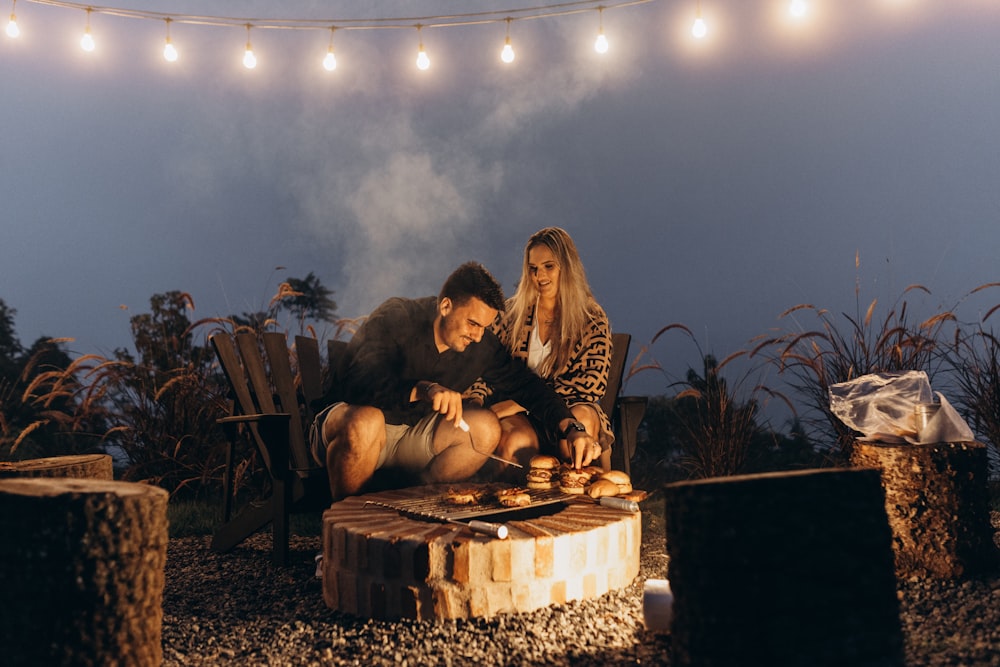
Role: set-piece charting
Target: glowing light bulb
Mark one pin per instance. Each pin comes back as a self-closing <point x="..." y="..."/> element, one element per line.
<point x="12" y="29"/>
<point x="330" y="60"/>
<point x="249" y="59"/>
<point x="798" y="8"/>
<point x="699" y="29"/>
<point x="507" y="54"/>
<point x="601" y="43"/>
<point x="87" y="41"/>
<point x="423" y="62"/>
<point x="169" y="52"/>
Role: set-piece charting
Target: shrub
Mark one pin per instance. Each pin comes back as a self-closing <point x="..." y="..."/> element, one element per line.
<point x="708" y="428"/>
<point x="838" y="350"/>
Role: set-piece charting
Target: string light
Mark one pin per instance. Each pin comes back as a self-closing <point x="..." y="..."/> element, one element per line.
<point x="507" y="53"/>
<point x="699" y="29"/>
<point x="249" y="59"/>
<point x="601" y="43"/>
<point x="423" y="62"/>
<point x="12" y="30"/>
<point x="169" y="50"/>
<point x="87" y="41"/>
<point x="330" y="60"/>
<point x="549" y="9"/>
<point x="797" y="9"/>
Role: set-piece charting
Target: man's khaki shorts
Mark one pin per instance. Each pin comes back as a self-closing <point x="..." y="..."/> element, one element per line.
<point x="410" y="448"/>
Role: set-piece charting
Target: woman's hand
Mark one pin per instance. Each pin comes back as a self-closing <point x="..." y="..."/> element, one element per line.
<point x="584" y="448"/>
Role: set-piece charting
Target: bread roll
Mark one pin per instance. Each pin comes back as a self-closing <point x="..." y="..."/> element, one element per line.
<point x="620" y="478"/>
<point x="601" y="488"/>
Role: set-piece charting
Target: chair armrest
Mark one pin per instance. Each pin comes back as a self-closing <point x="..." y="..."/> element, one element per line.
<point x="241" y="419"/>
<point x="629" y="411"/>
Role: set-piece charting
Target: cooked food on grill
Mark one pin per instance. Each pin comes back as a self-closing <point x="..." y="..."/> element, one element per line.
<point x="573" y="481"/>
<point x="620" y="478"/>
<point x="601" y="488"/>
<point x="470" y="495"/>
<point x="542" y="472"/>
<point x="515" y="497"/>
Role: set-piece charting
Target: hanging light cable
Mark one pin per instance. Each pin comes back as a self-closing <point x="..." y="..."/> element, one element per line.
<point x="249" y="59"/>
<point x="169" y="50"/>
<point x="87" y="41"/>
<point x="423" y="62"/>
<point x="12" y="30"/>
<point x="507" y="53"/>
<point x="699" y="29"/>
<point x="330" y="60"/>
<point x="601" y="43"/>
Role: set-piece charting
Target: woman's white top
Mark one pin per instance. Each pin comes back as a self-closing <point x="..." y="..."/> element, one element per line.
<point x="538" y="351"/>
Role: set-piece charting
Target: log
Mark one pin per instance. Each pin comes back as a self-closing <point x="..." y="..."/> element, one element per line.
<point x="82" y="466"/>
<point x="81" y="572"/>
<point x="938" y="503"/>
<point x="778" y="569"/>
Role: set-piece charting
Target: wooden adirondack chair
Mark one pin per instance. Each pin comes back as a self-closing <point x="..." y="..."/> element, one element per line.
<point x="272" y="409"/>
<point x="626" y="412"/>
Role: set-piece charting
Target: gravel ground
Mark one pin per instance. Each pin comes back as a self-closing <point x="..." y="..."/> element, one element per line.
<point x="238" y="609"/>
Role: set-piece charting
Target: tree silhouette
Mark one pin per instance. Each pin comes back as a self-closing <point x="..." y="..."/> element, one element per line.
<point x="309" y="299"/>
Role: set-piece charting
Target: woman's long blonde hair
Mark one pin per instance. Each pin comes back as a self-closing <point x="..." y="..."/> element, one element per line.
<point x="576" y="306"/>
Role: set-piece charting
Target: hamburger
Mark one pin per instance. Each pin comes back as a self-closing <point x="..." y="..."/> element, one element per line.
<point x="515" y="497"/>
<point x="542" y="472"/>
<point x="573" y="481"/>
<point x="463" y="496"/>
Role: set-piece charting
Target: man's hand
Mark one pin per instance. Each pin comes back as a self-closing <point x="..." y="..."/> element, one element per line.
<point x="445" y="401"/>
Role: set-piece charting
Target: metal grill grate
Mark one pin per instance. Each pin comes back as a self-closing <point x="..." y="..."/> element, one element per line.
<point x="436" y="507"/>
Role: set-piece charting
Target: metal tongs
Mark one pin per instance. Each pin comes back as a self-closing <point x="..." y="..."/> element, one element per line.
<point x="497" y="530"/>
<point x="465" y="427"/>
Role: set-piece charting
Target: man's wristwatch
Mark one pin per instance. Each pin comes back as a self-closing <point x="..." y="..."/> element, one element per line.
<point x="573" y="427"/>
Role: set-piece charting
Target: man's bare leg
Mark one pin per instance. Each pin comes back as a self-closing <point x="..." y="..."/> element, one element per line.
<point x="518" y="443"/>
<point x="356" y="436"/>
<point x="455" y="457"/>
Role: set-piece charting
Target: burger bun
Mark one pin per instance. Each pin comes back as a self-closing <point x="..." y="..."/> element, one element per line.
<point x="543" y="462"/>
<point x="621" y="479"/>
<point x="601" y="488"/>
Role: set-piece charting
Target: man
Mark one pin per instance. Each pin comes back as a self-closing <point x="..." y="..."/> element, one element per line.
<point x="398" y="390"/>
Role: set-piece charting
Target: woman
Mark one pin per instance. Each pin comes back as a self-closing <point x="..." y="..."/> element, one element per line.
<point x="554" y="324"/>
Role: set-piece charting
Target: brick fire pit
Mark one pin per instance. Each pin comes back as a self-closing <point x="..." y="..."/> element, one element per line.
<point x="380" y="564"/>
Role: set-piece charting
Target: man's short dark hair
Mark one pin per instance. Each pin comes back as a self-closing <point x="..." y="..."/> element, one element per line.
<point x="473" y="280"/>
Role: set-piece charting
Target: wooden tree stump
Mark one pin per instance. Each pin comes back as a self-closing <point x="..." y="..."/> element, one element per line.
<point x="782" y="569"/>
<point x="81" y="572"/>
<point x="83" y="466"/>
<point x="937" y="501"/>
